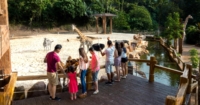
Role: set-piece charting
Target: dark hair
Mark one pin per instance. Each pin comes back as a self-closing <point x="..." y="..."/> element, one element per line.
<point x="58" y="46"/>
<point x="91" y="49"/>
<point x="71" y="69"/>
<point x="83" y="55"/>
<point x="109" y="42"/>
<point x="118" y="48"/>
<point x="122" y="44"/>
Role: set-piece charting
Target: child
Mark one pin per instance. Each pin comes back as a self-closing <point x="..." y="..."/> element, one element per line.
<point x="72" y="82"/>
<point x="95" y="69"/>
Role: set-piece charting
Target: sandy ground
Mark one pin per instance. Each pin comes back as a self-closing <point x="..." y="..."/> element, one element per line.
<point x="27" y="52"/>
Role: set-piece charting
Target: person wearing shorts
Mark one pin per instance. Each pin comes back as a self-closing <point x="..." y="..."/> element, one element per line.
<point x="95" y="67"/>
<point x="124" y="59"/>
<point x="109" y="52"/>
<point x="52" y="60"/>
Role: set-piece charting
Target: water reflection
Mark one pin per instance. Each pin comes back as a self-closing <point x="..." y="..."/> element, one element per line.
<point x="163" y="59"/>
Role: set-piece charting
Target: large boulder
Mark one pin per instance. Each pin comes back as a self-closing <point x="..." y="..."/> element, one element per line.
<point x="37" y="89"/>
<point x="19" y="93"/>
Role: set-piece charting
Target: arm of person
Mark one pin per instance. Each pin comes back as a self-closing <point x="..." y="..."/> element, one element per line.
<point x="102" y="53"/>
<point x="60" y="66"/>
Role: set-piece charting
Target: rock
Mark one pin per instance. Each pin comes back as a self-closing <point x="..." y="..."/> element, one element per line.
<point x="37" y="89"/>
<point x="19" y="93"/>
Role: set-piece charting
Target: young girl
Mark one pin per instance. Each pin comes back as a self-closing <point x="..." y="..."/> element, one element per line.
<point x="124" y="59"/>
<point x="95" y="67"/>
<point x="117" y="59"/>
<point x="72" y="82"/>
<point x="83" y="60"/>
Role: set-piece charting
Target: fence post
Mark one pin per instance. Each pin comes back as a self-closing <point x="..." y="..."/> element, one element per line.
<point x="189" y="67"/>
<point x="151" y="71"/>
<point x="170" y="100"/>
<point x="89" y="79"/>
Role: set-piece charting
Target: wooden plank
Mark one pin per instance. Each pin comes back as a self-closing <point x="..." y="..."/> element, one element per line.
<point x="139" y="60"/>
<point x="36" y="77"/>
<point x="181" y="94"/>
<point x="169" y="69"/>
<point x="7" y="95"/>
<point x="193" y="86"/>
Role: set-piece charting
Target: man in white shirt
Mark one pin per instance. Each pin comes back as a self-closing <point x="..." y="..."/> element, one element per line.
<point x="109" y="52"/>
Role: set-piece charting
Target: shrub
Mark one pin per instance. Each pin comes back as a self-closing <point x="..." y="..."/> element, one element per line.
<point x="194" y="58"/>
<point x="195" y="61"/>
<point x="192" y="35"/>
<point x="193" y="52"/>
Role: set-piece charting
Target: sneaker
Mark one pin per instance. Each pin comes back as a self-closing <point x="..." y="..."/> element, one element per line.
<point x="112" y="81"/>
<point x="50" y="97"/>
<point x="109" y="83"/>
<point x="96" y="92"/>
<point x="124" y="77"/>
<point x="56" y="99"/>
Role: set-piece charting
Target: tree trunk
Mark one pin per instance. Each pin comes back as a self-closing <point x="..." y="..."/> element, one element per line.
<point x="180" y="45"/>
<point x="175" y="44"/>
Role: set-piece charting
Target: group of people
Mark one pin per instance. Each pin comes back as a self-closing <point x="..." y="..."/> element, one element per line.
<point x="115" y="55"/>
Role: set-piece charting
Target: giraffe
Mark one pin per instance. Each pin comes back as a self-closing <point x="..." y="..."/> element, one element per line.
<point x="185" y="24"/>
<point x="84" y="40"/>
<point x="181" y="40"/>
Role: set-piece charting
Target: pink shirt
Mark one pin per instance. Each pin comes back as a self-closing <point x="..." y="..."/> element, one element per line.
<point x="95" y="62"/>
<point x="82" y="64"/>
<point x="52" y="59"/>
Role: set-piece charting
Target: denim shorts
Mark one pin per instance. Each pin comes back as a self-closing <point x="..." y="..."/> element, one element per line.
<point x="109" y="65"/>
<point x="95" y="76"/>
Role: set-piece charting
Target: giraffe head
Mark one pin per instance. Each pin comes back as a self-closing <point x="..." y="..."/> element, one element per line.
<point x="190" y="17"/>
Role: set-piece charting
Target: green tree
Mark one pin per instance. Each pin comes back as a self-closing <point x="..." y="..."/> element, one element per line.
<point x="121" y="21"/>
<point x="139" y="18"/>
<point x="173" y="28"/>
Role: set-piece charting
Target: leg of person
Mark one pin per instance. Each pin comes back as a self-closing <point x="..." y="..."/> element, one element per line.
<point x="123" y="71"/>
<point x="108" y="72"/>
<point x="112" y="73"/>
<point x="84" y="83"/>
<point x="74" y="96"/>
<point x="95" y="79"/>
<point x="71" y="96"/>
<point x="54" y="83"/>
<point x="116" y="73"/>
<point x="50" y="90"/>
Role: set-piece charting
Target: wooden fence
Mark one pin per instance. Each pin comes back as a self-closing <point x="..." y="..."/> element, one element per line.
<point x="186" y="87"/>
<point x="6" y="95"/>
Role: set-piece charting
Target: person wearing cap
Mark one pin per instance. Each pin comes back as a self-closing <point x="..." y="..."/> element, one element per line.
<point x="53" y="60"/>
<point x="109" y="52"/>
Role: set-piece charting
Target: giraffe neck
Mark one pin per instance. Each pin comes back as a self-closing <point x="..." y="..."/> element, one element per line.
<point x="185" y="23"/>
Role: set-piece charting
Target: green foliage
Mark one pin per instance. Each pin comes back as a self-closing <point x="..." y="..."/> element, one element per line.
<point x="140" y="18"/>
<point x="192" y="35"/>
<point x="121" y="22"/>
<point x="193" y="52"/>
<point x="194" y="58"/>
<point x="173" y="27"/>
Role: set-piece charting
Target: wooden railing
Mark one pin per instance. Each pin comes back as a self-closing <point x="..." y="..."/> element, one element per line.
<point x="173" y="54"/>
<point x="186" y="84"/>
<point x="6" y="95"/>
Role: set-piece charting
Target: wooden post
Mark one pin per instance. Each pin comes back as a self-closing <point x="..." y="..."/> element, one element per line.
<point x="97" y="24"/>
<point x="151" y="71"/>
<point x="4" y="15"/>
<point x="89" y="79"/>
<point x="180" y="45"/>
<point x="189" y="67"/>
<point x="104" y="24"/>
<point x="170" y="100"/>
<point x="110" y="25"/>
